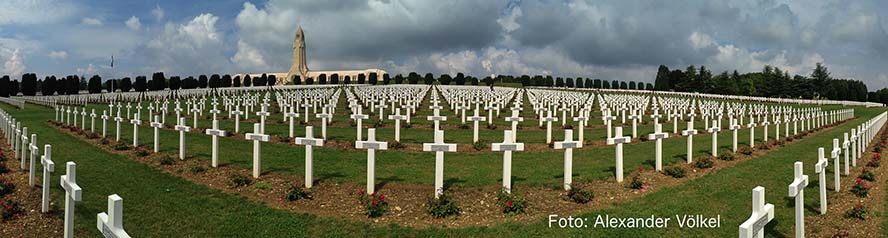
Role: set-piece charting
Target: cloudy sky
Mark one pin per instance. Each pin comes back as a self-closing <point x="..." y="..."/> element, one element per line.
<point x="623" y="40"/>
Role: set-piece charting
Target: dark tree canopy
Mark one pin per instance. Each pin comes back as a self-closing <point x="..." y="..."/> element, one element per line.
<point x="126" y="84"/>
<point x="141" y="84"/>
<point x="95" y="84"/>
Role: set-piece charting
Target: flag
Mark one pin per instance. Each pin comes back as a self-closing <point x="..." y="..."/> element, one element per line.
<point x="112" y="61"/>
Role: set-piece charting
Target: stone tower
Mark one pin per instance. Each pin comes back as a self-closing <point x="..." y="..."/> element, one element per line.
<point x="300" y="64"/>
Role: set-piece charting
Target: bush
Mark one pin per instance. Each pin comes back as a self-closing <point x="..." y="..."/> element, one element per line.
<point x="491" y="126"/>
<point x="867" y="175"/>
<point x="6" y="187"/>
<point x="3" y="169"/>
<point x="378" y="123"/>
<point x="704" y="162"/>
<point x="120" y="145"/>
<point x="763" y="146"/>
<point x="196" y="168"/>
<point x="374" y="204"/>
<point x="9" y="210"/>
<point x="463" y="126"/>
<point x="442" y="206"/>
<point x="746" y="150"/>
<point x="860" y="188"/>
<point x="675" y="171"/>
<point x="396" y="145"/>
<point x="511" y="203"/>
<point x="166" y="160"/>
<point x="104" y="141"/>
<point x="636" y="183"/>
<point x="580" y="194"/>
<point x="238" y="180"/>
<point x="858" y="211"/>
<point x="479" y="145"/>
<point x="141" y="152"/>
<point x="841" y="234"/>
<point x="726" y="156"/>
<point x="296" y="192"/>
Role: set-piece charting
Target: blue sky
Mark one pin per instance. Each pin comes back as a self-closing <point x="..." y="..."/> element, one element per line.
<point x="623" y="40"/>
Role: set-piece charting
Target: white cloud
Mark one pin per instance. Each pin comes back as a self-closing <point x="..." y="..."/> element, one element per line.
<point x="35" y="11"/>
<point x="193" y="47"/>
<point x="91" y="21"/>
<point x="248" y="58"/>
<point x="14" y="64"/>
<point x="59" y="55"/>
<point x="158" y="13"/>
<point x="133" y="23"/>
<point x="90" y="69"/>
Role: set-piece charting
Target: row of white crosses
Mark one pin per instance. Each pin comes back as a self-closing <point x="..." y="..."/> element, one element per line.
<point x="68" y="182"/>
<point x="764" y="213"/>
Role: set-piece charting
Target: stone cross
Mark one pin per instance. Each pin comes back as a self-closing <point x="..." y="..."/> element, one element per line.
<point x="658" y="135"/>
<point x="15" y="139"/>
<point x="634" y="117"/>
<point x="490" y="109"/>
<point x="751" y="127"/>
<point x="371" y="145"/>
<point x="397" y="117"/>
<point x="32" y="168"/>
<point x="309" y="141"/>
<point x="358" y="117"/>
<point x="110" y="224"/>
<point x="83" y="118"/>
<point x="136" y="122"/>
<point x="257" y="136"/>
<point x="734" y="127"/>
<point x="118" y="120"/>
<point x="548" y="120"/>
<point x="820" y="168"/>
<point x="439" y="147"/>
<point x="92" y="122"/>
<point x="462" y="108"/>
<point x="568" y="144"/>
<point x="215" y="133"/>
<point x="182" y="128"/>
<point x="194" y="116"/>
<point x="475" y="119"/>
<point x="581" y="123"/>
<point x="761" y="214"/>
<point x="437" y="118"/>
<point x="608" y="119"/>
<point x="797" y="190"/>
<point x="237" y="113"/>
<point x="514" y="119"/>
<point x="104" y="123"/>
<point x="854" y="147"/>
<point x="325" y="117"/>
<point x="619" y="140"/>
<point x="845" y="146"/>
<point x="690" y="132"/>
<point x="262" y="115"/>
<point x="381" y="110"/>
<point x="24" y="145"/>
<point x="835" y="155"/>
<point x="507" y="147"/>
<point x="75" y="117"/>
<point x="714" y="131"/>
<point x="48" y="167"/>
<point x="157" y="125"/>
<point x="291" y="115"/>
<point x="765" y="134"/>
<point x="72" y="194"/>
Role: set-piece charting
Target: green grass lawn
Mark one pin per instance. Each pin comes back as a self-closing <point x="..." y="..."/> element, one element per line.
<point x="158" y="204"/>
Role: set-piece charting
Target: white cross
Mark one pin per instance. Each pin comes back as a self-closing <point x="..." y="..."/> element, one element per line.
<point x="72" y="194"/>
<point x="118" y="120"/>
<point x="515" y="119"/>
<point x="194" y="115"/>
<point x="237" y="112"/>
<point x="835" y="155"/>
<point x="324" y="116"/>
<point x="24" y="142"/>
<point x="439" y="147"/>
<point x="734" y="127"/>
<point x="215" y="133"/>
<point x="32" y="166"/>
<point x="182" y="128"/>
<point x="92" y="122"/>
<point x="619" y="140"/>
<point x="548" y="119"/>
<point x="358" y="117"/>
<point x="507" y="146"/>
<point x="475" y="119"/>
<point x="371" y="145"/>
<point x="761" y="214"/>
<point x="257" y="136"/>
<point x="110" y="224"/>
<point x="797" y="190"/>
<point x="608" y="119"/>
<point x="157" y="125"/>
<point x="658" y="135"/>
<point x="581" y="123"/>
<point x="568" y="144"/>
<point x="820" y="168"/>
<point x="397" y="117"/>
<point x="854" y="147"/>
<point x="714" y="131"/>
<point x="291" y="115"/>
<point x="751" y="127"/>
<point x="135" y="121"/>
<point x="48" y="167"/>
<point x="308" y="141"/>
<point x="437" y="118"/>
<point x="690" y="132"/>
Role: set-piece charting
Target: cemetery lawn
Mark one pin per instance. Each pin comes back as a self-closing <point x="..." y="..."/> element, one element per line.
<point x="157" y="204"/>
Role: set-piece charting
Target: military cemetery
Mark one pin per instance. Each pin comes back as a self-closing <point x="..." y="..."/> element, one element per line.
<point x="484" y="147"/>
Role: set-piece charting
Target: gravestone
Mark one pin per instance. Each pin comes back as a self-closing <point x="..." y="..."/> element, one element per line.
<point x="820" y="168"/>
<point x="548" y="120"/>
<point x="32" y="166"/>
<point x="257" y="137"/>
<point x="72" y="194"/>
<point x="157" y="125"/>
<point x="182" y="128"/>
<point x="690" y="132"/>
<point x="845" y="146"/>
<point x="835" y="156"/>
<point x="568" y="144"/>
<point x="658" y="135"/>
<point x="474" y="119"/>
<point x="48" y="167"/>
<point x="797" y="190"/>
<point x="110" y="224"/>
<point x="215" y="133"/>
<point x="761" y="214"/>
<point x="397" y="117"/>
<point x="714" y="131"/>
<point x="619" y="140"/>
<point x="439" y="147"/>
<point x="507" y="147"/>
<point x="371" y="145"/>
<point x="308" y="141"/>
<point x="325" y="117"/>
<point x="135" y="121"/>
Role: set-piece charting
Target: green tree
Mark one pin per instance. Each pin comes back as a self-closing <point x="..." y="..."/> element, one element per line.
<point x="248" y="81"/>
<point x="126" y="84"/>
<point x="444" y="79"/>
<point x="215" y="81"/>
<point x="226" y="81"/>
<point x="141" y="84"/>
